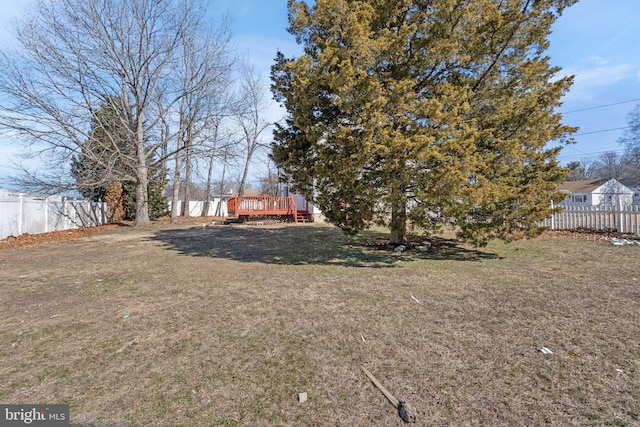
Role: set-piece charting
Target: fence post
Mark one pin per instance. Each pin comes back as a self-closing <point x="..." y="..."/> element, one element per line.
<point x="553" y="216"/>
<point x="621" y="214"/>
<point x="65" y="213"/>
<point x="46" y="214"/>
<point x="20" y="207"/>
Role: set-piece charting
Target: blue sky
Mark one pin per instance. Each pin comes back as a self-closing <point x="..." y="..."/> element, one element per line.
<point x="597" y="41"/>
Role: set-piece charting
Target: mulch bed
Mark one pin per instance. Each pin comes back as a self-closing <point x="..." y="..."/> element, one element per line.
<point x="27" y="239"/>
<point x="588" y="234"/>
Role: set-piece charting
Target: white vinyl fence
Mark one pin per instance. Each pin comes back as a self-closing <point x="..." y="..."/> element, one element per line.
<point x="624" y="219"/>
<point x="217" y="207"/>
<point x="20" y="213"/>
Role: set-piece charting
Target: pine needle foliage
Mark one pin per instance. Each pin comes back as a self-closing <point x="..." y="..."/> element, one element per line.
<point x="423" y="112"/>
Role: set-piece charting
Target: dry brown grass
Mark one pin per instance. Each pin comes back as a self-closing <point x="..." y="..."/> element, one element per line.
<point x="193" y="325"/>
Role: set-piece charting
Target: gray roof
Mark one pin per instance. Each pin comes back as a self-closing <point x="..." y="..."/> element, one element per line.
<point x="581" y="186"/>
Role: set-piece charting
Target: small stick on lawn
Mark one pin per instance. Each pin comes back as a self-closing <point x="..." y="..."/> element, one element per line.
<point x="407" y="412"/>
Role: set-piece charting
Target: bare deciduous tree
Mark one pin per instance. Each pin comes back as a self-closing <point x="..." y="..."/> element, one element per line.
<point x="610" y="165"/>
<point x="270" y="181"/>
<point x="624" y="167"/>
<point x="631" y="140"/>
<point x="203" y="72"/>
<point x="249" y="116"/>
<point x="222" y="145"/>
<point x="74" y="57"/>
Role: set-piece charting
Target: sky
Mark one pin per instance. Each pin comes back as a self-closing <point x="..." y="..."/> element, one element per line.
<point x="598" y="42"/>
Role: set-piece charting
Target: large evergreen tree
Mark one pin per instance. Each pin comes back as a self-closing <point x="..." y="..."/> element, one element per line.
<point x="100" y="160"/>
<point x="102" y="163"/>
<point x="421" y="110"/>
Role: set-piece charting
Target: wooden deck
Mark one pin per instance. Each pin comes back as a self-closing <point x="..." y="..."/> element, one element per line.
<point x="264" y="206"/>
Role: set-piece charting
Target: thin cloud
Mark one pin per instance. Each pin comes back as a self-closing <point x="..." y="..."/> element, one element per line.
<point x="603" y="76"/>
<point x="599" y="60"/>
<point x="592" y="83"/>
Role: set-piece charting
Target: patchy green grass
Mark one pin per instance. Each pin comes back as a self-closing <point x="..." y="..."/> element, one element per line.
<point x="224" y="326"/>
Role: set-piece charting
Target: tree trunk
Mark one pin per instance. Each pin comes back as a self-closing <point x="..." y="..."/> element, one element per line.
<point x="207" y="201"/>
<point x="187" y="178"/>
<point x="176" y="189"/>
<point x="243" y="181"/>
<point x="142" y="197"/>
<point x="224" y="170"/>
<point x="142" y="180"/>
<point x="398" y="223"/>
<point x="398" y="227"/>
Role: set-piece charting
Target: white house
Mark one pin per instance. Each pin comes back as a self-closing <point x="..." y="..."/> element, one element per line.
<point x="301" y="203"/>
<point x="593" y="192"/>
<point x="633" y="185"/>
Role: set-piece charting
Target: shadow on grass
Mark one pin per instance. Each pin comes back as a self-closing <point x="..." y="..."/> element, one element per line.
<point x="301" y="245"/>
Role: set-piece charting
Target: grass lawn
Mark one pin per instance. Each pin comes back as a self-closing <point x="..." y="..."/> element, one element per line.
<point x="225" y="325"/>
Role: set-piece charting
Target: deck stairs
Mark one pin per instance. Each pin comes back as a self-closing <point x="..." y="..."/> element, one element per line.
<point x="303" y="217"/>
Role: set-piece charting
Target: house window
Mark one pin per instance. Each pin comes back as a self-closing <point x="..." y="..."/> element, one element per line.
<point x="579" y="198"/>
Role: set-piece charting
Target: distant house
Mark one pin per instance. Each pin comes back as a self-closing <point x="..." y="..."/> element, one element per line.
<point x="633" y="184"/>
<point x="593" y="192"/>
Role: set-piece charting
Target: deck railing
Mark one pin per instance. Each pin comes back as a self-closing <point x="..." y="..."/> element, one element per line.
<point x="261" y="205"/>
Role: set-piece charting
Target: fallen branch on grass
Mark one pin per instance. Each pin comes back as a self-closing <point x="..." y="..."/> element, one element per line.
<point x="407" y="412"/>
<point x="128" y="344"/>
